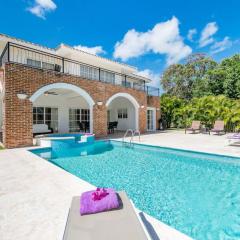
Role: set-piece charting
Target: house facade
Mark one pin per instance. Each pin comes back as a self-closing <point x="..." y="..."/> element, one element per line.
<point x="68" y="90"/>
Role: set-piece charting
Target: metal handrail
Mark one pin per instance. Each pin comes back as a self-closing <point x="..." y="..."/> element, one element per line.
<point x="63" y="60"/>
<point x="136" y="132"/>
<point x="133" y="132"/>
<point x="125" y="135"/>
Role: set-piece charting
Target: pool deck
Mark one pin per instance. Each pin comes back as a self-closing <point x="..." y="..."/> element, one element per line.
<point x="35" y="195"/>
<point x="216" y="144"/>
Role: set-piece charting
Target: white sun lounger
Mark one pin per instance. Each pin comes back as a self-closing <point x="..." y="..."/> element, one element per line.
<point x="234" y="138"/>
<point x="119" y="224"/>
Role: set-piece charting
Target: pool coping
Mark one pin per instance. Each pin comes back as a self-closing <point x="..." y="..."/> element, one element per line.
<point x="232" y="155"/>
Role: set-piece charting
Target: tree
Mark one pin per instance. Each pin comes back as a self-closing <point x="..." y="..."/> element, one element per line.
<point x="168" y="106"/>
<point x="216" y="78"/>
<point x="189" y="79"/>
<point x="175" y="81"/>
<point x="231" y="66"/>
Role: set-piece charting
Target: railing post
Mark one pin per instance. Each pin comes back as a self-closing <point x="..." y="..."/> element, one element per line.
<point x="125" y="81"/>
<point x="144" y="86"/>
<point x="8" y="52"/>
<point x="147" y="90"/>
<point x="63" y="64"/>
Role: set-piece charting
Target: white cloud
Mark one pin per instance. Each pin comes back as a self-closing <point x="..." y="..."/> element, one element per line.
<point x="191" y="33"/>
<point x="40" y="7"/>
<point x="221" y="45"/>
<point x="163" y="38"/>
<point x="155" y="77"/>
<point x="93" y="50"/>
<point x="206" y="36"/>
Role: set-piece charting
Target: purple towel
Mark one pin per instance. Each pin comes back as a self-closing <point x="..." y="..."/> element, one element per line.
<point x="98" y="201"/>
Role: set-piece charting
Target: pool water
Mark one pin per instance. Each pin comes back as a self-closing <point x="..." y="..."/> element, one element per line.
<point x="196" y="193"/>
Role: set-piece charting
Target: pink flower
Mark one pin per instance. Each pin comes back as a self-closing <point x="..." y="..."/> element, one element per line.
<point x="99" y="194"/>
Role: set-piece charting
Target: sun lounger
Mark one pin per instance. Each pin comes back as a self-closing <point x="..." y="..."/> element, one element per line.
<point x="116" y="224"/>
<point x="195" y="127"/>
<point x="218" y="127"/>
<point x="234" y="138"/>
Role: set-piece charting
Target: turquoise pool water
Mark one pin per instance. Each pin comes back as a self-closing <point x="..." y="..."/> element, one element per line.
<point x="196" y="193"/>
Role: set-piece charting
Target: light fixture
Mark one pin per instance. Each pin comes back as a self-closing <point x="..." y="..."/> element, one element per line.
<point x="142" y="106"/>
<point x="22" y="95"/>
<point x="158" y="109"/>
<point x="99" y="103"/>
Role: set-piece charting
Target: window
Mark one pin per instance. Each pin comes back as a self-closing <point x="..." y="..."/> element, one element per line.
<point x="46" y="115"/>
<point x="122" y="113"/>
<point x="38" y="115"/>
<point x="48" y="65"/>
<point x="107" y="77"/>
<point x="138" y="86"/>
<point x="79" y="120"/>
<point x="89" y="72"/>
<point x="39" y="64"/>
<point x="34" y="63"/>
<point x="126" y="84"/>
<point x="150" y="120"/>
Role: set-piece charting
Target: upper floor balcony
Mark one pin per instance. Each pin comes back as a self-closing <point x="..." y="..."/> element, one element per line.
<point x="16" y="53"/>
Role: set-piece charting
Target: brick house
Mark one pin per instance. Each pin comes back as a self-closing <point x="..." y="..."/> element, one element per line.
<point x="68" y="90"/>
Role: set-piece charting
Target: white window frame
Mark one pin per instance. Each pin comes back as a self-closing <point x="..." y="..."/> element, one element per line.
<point x="153" y="118"/>
<point x="44" y="116"/>
<point x="122" y="113"/>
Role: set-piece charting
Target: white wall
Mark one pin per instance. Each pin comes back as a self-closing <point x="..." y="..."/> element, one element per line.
<point x="123" y="124"/>
<point x="63" y="104"/>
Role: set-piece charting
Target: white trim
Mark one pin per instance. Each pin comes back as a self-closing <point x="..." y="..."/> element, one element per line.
<point x="74" y="88"/>
<point x="132" y="100"/>
<point x="154" y="118"/>
<point x="68" y="86"/>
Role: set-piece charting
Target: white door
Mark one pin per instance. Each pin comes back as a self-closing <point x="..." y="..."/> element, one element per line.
<point x="151" y="119"/>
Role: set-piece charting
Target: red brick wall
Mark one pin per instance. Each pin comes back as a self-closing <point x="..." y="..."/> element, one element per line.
<point x="17" y="121"/>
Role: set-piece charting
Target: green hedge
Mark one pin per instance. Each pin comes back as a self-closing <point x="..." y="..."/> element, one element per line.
<point x="179" y="113"/>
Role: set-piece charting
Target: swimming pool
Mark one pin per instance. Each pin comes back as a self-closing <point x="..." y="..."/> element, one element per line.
<point x="196" y="193"/>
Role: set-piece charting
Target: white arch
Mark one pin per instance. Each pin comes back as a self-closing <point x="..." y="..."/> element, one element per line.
<point x="125" y="95"/>
<point x="132" y="100"/>
<point x="68" y="86"/>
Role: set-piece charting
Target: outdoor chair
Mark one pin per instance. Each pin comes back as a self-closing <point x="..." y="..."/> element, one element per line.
<point x="118" y="224"/>
<point x="195" y="127"/>
<point x="80" y="125"/>
<point x="235" y="138"/>
<point x="218" y="127"/>
<point x="115" y="124"/>
<point x="112" y="126"/>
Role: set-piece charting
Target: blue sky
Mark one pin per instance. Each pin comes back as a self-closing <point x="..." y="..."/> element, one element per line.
<point x="148" y="34"/>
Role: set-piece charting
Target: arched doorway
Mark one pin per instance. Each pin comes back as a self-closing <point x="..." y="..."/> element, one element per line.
<point x="123" y="108"/>
<point x="63" y="107"/>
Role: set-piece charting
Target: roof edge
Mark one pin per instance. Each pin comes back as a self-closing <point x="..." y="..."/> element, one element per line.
<point x="110" y="60"/>
<point x="27" y="42"/>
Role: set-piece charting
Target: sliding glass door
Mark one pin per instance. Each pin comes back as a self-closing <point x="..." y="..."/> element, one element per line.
<point x="79" y="120"/>
<point x="151" y="119"/>
<point x="46" y="115"/>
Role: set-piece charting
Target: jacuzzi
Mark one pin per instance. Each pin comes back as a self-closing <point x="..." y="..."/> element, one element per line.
<point x="68" y="138"/>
